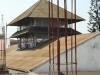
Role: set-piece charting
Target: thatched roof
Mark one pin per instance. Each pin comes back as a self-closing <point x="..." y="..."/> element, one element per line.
<point x="40" y="10"/>
<point x="31" y="59"/>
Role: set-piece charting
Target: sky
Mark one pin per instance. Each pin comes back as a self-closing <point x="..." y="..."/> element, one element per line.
<point x="13" y="8"/>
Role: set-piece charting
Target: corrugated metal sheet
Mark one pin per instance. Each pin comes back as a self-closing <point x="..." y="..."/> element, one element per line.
<point x="40" y="10"/>
<point x="29" y="59"/>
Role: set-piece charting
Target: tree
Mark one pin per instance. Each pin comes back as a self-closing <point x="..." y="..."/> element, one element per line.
<point x="94" y="19"/>
<point x="1" y="36"/>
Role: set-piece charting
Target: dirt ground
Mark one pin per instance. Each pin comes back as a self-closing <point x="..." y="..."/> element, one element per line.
<point x="78" y="73"/>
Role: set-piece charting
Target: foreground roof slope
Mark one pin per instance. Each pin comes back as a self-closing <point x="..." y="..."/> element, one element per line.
<point x="30" y="59"/>
<point x="40" y="10"/>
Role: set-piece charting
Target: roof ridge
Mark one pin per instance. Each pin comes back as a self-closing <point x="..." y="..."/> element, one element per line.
<point x="95" y="33"/>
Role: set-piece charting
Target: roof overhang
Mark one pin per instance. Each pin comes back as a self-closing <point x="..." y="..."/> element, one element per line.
<point x="44" y="30"/>
<point x="40" y="10"/>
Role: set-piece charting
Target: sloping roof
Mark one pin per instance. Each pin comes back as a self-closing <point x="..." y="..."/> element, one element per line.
<point x="30" y="59"/>
<point x="40" y="10"/>
<point x="42" y="30"/>
<point x="18" y="33"/>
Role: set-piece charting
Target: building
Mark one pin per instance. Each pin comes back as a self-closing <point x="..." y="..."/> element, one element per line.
<point x="88" y="49"/>
<point x="32" y="31"/>
<point x="33" y="25"/>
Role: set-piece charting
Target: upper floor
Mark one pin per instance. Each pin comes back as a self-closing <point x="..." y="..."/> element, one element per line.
<point x="39" y="23"/>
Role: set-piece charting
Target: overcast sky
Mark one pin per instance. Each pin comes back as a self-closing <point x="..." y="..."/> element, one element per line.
<point x="13" y="8"/>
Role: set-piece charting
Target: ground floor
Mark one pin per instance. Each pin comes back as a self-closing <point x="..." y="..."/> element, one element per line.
<point x="31" y="41"/>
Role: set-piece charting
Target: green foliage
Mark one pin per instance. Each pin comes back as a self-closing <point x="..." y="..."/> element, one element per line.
<point x="1" y="36"/>
<point x="94" y="19"/>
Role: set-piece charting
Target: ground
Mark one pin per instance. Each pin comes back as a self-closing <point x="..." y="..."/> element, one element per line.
<point x="78" y="73"/>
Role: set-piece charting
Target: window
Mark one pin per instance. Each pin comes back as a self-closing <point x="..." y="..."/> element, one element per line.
<point x="38" y="39"/>
<point x="98" y="0"/>
<point x="32" y="23"/>
<point x="38" y="22"/>
<point x="68" y="26"/>
<point x="54" y="23"/>
<point x="62" y="24"/>
<point x="45" y="37"/>
<point x="18" y="28"/>
<point x="22" y="27"/>
<point x="45" y="23"/>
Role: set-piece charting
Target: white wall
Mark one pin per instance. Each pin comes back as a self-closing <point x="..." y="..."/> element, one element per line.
<point x="15" y="72"/>
<point x="88" y="54"/>
<point x="8" y="43"/>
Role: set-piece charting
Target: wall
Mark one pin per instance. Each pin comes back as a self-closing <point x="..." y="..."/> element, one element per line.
<point x="15" y="72"/>
<point x="88" y="54"/>
<point x="8" y="43"/>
